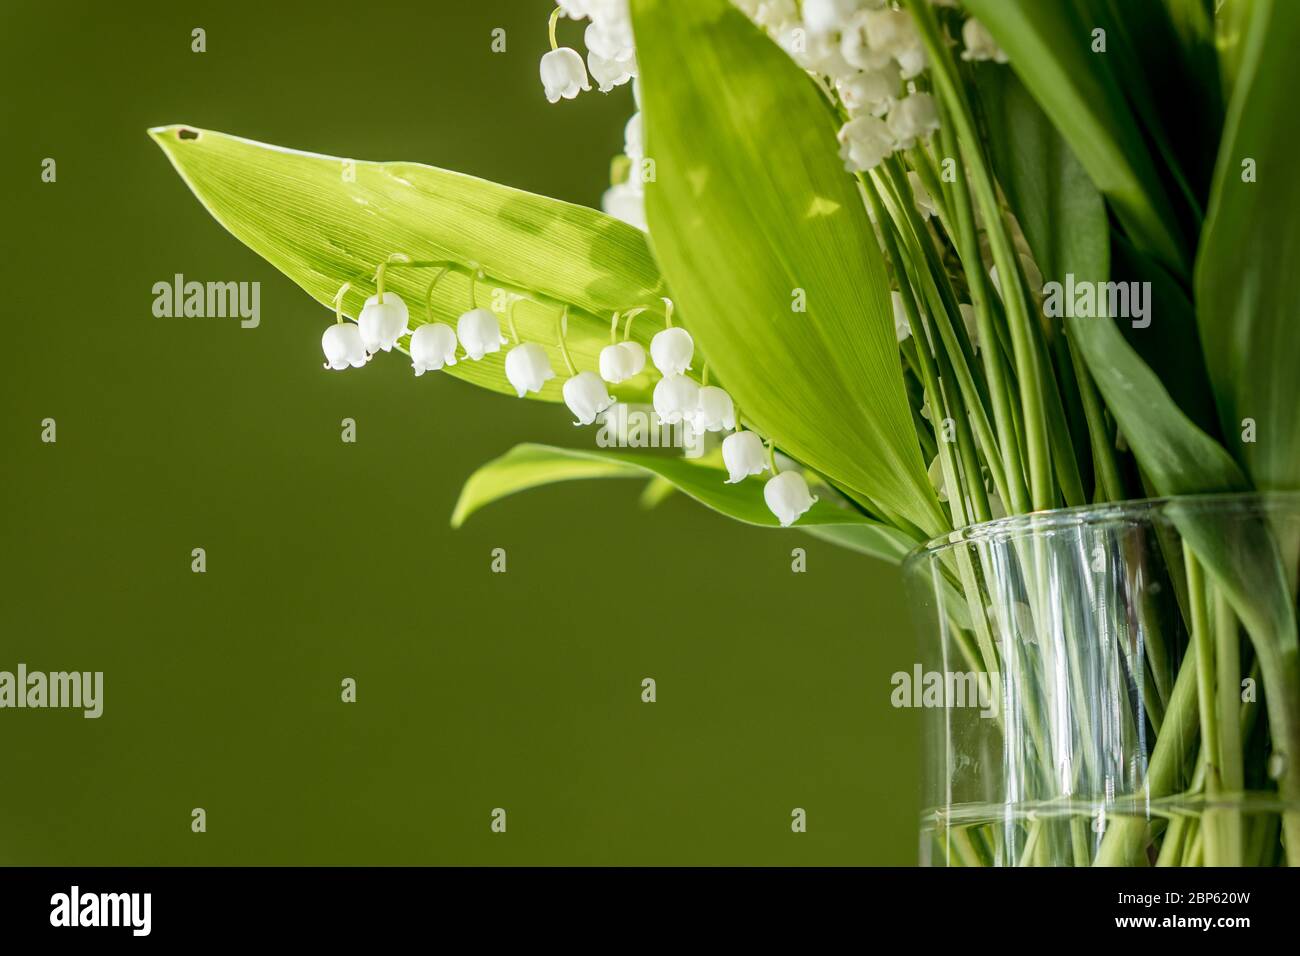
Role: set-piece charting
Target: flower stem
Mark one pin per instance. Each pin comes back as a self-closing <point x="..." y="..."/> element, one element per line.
<point x="555" y="15"/>
<point x="563" y="325"/>
<point x="428" y="295"/>
<point x="338" y="302"/>
<point x="613" y="329"/>
<point x="510" y="320"/>
<point x="627" y="326"/>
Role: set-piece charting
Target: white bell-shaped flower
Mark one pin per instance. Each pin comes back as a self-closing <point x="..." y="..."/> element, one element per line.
<point x="913" y="117"/>
<point x="872" y="91"/>
<point x="620" y="362"/>
<point x="479" y="333"/>
<point x="634" y="139"/>
<point x="672" y="350"/>
<point x="902" y="327"/>
<point x="343" y="346"/>
<point x="714" y="411"/>
<point x="610" y="73"/>
<point x="855" y="45"/>
<point x="528" y="368"/>
<point x="433" y="345"/>
<point x="383" y="323"/>
<point x="609" y="36"/>
<point x="979" y="43"/>
<point x="742" y="453"/>
<point x="675" y="398"/>
<point x="587" y="397"/>
<point x="563" y="74"/>
<point x="827" y="16"/>
<point x="788" y="497"/>
<point x="626" y="201"/>
<point x="864" y="142"/>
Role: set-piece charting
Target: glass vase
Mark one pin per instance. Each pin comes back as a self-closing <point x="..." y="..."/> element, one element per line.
<point x="1112" y="685"/>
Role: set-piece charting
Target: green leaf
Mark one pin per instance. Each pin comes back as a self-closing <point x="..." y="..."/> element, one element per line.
<point x="1065" y="223"/>
<point x="324" y="221"/>
<point x="1049" y="45"/>
<point x="752" y="210"/>
<point x="529" y="466"/>
<point x="1248" y="267"/>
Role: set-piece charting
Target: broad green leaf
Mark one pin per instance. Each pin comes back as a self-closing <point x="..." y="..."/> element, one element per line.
<point x="1065" y="223"/>
<point x="529" y="466"/>
<point x="1248" y="267"/>
<point x="324" y="221"/>
<point x="752" y="216"/>
<point x="1050" y="48"/>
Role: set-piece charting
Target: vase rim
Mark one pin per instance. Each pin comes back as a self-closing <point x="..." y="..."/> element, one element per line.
<point x="1000" y="529"/>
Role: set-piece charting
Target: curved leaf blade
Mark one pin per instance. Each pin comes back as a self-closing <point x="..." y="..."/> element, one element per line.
<point x="1248" y="267"/>
<point x="323" y="228"/>
<point x="1049" y="48"/>
<point x="751" y="208"/>
<point x="530" y="466"/>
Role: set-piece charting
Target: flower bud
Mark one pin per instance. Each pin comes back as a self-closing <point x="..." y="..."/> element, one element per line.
<point x="563" y="74"/>
<point x="620" y="362"/>
<point x="433" y="345"/>
<point x="587" y="397"/>
<point x="714" y="411"/>
<point x="676" y="397"/>
<point x="742" y="453"/>
<point x="528" y="368"/>
<point x="672" y="351"/>
<point x="479" y="333"/>
<point x="383" y="323"/>
<point x="787" y="497"/>
<point x="343" y="346"/>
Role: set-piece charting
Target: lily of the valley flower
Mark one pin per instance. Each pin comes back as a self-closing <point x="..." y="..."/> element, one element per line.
<point x="672" y="350"/>
<point x="633" y="139"/>
<point x="609" y="73"/>
<point x="586" y="396"/>
<point x="675" y="397"/>
<point x="864" y="142"/>
<point x="913" y="117"/>
<point x="787" y="497"/>
<point x="433" y="345"/>
<point x="871" y="91"/>
<point x="528" y="368"/>
<point x="383" y="323"/>
<point x="479" y="333"/>
<point x="742" y="453"/>
<point x="827" y="16"/>
<point x="979" y="43"/>
<point x="894" y="32"/>
<point x="714" y="411"/>
<point x="563" y="74"/>
<point x="902" y="328"/>
<point x="620" y="362"/>
<point x="626" y="201"/>
<point x="343" y="346"/>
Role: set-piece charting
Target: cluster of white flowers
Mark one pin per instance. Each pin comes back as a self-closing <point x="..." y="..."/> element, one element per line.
<point x="678" y="399"/>
<point x="868" y="51"/>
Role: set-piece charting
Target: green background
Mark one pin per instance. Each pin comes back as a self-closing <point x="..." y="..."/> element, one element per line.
<point x="327" y="560"/>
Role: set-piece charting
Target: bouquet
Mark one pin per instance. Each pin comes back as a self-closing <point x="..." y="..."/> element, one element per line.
<point x="883" y="272"/>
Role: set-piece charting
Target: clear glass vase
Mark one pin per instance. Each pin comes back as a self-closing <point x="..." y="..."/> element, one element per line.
<point x="1113" y="685"/>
